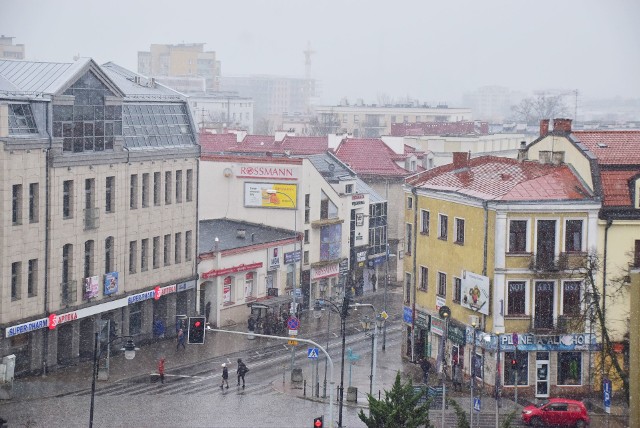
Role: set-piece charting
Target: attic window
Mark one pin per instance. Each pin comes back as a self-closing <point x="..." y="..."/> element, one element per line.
<point x="21" y="119"/>
<point x="348" y="189"/>
<point x="603" y="145"/>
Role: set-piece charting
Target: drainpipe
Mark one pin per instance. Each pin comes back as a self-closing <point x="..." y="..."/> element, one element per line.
<point x="414" y="192"/>
<point x="47" y="233"/>
<point x="485" y="206"/>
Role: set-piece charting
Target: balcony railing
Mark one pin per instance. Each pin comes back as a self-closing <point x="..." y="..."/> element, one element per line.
<point x="544" y="263"/>
<point x="68" y="292"/>
<point x="91" y="218"/>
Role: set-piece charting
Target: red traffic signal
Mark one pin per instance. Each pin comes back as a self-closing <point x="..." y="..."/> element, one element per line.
<point x="317" y="422"/>
<point x="195" y="333"/>
<point x="514" y="363"/>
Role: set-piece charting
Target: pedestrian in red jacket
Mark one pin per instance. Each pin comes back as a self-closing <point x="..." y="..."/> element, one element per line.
<point x="161" y="369"/>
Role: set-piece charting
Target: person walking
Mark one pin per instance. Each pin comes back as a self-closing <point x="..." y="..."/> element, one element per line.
<point x="161" y="369"/>
<point x="457" y="377"/>
<point x="242" y="370"/>
<point x="181" y="340"/>
<point x="225" y="376"/>
<point x="425" y="365"/>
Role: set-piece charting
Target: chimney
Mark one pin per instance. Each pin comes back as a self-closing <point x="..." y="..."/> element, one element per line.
<point x="241" y="233"/>
<point x="460" y="160"/>
<point x="562" y="125"/>
<point x="557" y="158"/>
<point x="544" y="127"/>
<point x="523" y="154"/>
<point x="544" y="156"/>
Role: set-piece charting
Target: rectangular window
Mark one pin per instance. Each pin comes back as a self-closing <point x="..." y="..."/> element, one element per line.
<point x="443" y="226"/>
<point x="457" y="289"/>
<point x="306" y="236"/>
<point x="157" y="188"/>
<point x="442" y="284"/>
<point x="16" y="280"/>
<point x="516" y="298"/>
<point x="424" y="278"/>
<point x="108" y="255"/>
<point x="517" y="236"/>
<point x="409" y="203"/>
<point x="156" y="252"/>
<point x="307" y="208"/>
<point x="167" y="249"/>
<point x="407" y="287"/>
<point x="573" y="236"/>
<point x="327" y="208"/>
<point x="16" y="204"/>
<point x="189" y="185"/>
<point x="167" y="187"/>
<point x="188" y="245"/>
<point x="330" y="242"/>
<point x="133" y="256"/>
<point x="178" y="186"/>
<point x="522" y="367"/>
<point x="408" y="238"/>
<point x="32" y="278"/>
<point x="135" y="318"/>
<point x="145" y="190"/>
<point x="144" y="255"/>
<point x="177" y="248"/>
<point x="34" y="202"/>
<point x="89" y="193"/>
<point x="459" y="232"/>
<point x="133" y="192"/>
<point x="305" y="258"/>
<point x="424" y="222"/>
<point x="348" y="189"/>
<point x="67" y="199"/>
<point x="571" y="303"/>
<point x="89" y="251"/>
<point x="110" y="194"/>
<point x="569" y="368"/>
<point x="636" y="253"/>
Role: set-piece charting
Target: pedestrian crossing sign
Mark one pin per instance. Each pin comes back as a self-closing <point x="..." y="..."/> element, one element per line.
<point x="312" y="353"/>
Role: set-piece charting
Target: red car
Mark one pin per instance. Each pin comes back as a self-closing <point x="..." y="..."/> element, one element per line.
<point x="557" y="412"/>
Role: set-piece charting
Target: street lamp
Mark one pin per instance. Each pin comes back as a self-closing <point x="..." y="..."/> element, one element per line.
<point x="444" y="313"/>
<point x="488" y="339"/>
<point x="367" y="325"/>
<point x="473" y="371"/>
<point x="343" y="311"/>
<point x="129" y="354"/>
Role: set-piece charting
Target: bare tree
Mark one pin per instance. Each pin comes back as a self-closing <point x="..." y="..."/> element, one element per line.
<point x="532" y="109"/>
<point x="325" y="124"/>
<point x="595" y="316"/>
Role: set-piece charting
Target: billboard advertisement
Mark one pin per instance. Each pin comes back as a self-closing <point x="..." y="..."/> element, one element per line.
<point x="475" y="292"/>
<point x="91" y="287"/>
<point x="110" y="283"/>
<point x="270" y="195"/>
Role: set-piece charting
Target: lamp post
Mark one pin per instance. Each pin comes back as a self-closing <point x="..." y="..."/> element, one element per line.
<point x="473" y="371"/>
<point x="498" y="381"/>
<point x="444" y="313"/>
<point x="129" y="353"/>
<point x="366" y="324"/>
<point x="343" y="311"/>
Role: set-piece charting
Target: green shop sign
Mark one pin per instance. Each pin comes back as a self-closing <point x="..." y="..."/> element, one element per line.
<point x="422" y="320"/>
<point x="456" y="334"/>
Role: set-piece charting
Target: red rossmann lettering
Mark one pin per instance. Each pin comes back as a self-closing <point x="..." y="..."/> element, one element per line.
<point x="266" y="171"/>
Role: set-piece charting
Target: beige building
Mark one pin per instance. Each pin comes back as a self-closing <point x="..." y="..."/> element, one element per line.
<point x="366" y="121"/>
<point x="186" y="60"/>
<point x="98" y="209"/>
<point x="10" y="51"/>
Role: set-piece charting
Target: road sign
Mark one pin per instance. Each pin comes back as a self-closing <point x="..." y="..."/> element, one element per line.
<point x="292" y="342"/>
<point x="606" y="392"/>
<point x="293" y="323"/>
<point x="312" y="353"/>
<point x="293" y="332"/>
<point x="476" y="404"/>
<point x="384" y="315"/>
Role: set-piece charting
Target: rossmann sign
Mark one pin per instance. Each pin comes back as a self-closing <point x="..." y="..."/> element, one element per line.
<point x="266" y="172"/>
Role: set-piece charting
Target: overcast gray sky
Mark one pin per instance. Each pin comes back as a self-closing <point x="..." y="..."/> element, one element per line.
<point x="429" y="50"/>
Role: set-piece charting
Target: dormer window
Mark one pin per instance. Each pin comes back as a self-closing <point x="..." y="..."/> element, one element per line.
<point x="348" y="189"/>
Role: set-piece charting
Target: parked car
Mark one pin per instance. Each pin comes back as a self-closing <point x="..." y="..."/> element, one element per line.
<point x="557" y="412"/>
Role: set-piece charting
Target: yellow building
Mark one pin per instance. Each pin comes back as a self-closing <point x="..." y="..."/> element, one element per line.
<point x="499" y="242"/>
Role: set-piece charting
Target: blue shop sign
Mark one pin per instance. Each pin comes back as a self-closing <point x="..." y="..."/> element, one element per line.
<point x="407" y="315"/>
<point x="377" y="261"/>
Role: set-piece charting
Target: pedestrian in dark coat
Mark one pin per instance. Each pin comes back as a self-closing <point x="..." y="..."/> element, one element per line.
<point x="181" y="340"/>
<point x="242" y="370"/>
<point x="425" y="365"/>
<point x="225" y="376"/>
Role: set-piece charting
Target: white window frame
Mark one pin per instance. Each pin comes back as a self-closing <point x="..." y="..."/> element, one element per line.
<point x="455" y="231"/>
<point x="527" y="296"/>
<point x="583" y="243"/>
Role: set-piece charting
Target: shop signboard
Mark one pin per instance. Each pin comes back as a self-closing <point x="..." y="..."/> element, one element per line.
<point x="292" y="257"/>
<point x="423" y="320"/>
<point x="456" y="333"/>
<point x="437" y="326"/>
<point x="560" y="342"/>
<point x="407" y="315"/>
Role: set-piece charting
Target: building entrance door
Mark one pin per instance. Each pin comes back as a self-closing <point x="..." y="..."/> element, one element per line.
<point x="542" y="375"/>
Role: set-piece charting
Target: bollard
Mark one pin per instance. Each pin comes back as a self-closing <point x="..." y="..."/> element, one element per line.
<point x="304" y="388"/>
<point x="324" y="389"/>
<point x="284" y="373"/>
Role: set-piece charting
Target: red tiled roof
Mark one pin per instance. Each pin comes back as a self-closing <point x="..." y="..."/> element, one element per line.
<point x="612" y="147"/>
<point x="257" y="142"/>
<point x="369" y="156"/>
<point x="211" y="143"/>
<point x="496" y="178"/>
<point x="616" y="187"/>
<point x="305" y="145"/>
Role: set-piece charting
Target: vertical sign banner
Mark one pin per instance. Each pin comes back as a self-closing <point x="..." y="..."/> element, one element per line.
<point x="91" y="287"/>
<point x="226" y="290"/>
<point x="110" y="283"/>
<point x="606" y="392"/>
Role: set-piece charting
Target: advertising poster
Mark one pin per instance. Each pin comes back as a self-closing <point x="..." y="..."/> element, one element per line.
<point x="90" y="287"/>
<point x="110" y="283"/>
<point x="270" y="195"/>
<point x="475" y="292"/>
<point x="226" y="290"/>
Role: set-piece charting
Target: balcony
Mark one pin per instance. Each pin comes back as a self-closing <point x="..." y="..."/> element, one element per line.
<point x="91" y="218"/>
<point x="570" y="323"/>
<point x="68" y="292"/>
<point x="547" y="263"/>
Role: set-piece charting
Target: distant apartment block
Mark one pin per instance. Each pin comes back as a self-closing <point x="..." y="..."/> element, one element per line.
<point x="188" y="61"/>
<point x="222" y="111"/>
<point x="10" y="51"/>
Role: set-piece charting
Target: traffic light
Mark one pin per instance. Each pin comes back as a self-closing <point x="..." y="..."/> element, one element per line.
<point x="514" y="363"/>
<point x="317" y="422"/>
<point x="196" y="330"/>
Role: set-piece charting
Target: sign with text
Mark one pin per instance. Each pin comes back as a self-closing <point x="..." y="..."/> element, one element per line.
<point x="561" y="342"/>
<point x="324" y="271"/>
<point x="91" y="287"/>
<point x="292" y="257"/>
<point x="475" y="292"/>
<point x="270" y="195"/>
<point x="110" y="283"/>
<point x="274" y="258"/>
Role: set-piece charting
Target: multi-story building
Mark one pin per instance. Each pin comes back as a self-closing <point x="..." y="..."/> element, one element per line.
<point x="367" y="121"/>
<point x="10" y="51"/>
<point x="341" y="221"/>
<point x="184" y="60"/>
<point x="98" y="220"/>
<point x="222" y="111"/>
<point x="492" y="103"/>
<point x="501" y="242"/>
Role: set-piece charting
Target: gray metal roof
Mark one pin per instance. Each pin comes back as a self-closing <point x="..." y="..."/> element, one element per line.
<point x="374" y="197"/>
<point x="141" y="90"/>
<point x="37" y="77"/>
<point x="227" y="232"/>
<point x="330" y="166"/>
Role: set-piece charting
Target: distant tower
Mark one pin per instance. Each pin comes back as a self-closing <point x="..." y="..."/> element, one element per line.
<point x="307" y="75"/>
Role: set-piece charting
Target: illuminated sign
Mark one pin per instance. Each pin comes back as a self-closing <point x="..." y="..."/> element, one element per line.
<point x="266" y="172"/>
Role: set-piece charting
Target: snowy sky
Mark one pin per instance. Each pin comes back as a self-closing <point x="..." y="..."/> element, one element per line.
<point x="428" y="50"/>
